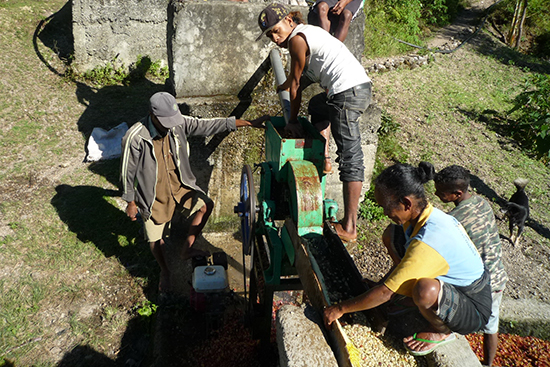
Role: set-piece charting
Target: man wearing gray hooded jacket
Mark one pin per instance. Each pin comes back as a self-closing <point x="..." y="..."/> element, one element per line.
<point x="156" y="176"/>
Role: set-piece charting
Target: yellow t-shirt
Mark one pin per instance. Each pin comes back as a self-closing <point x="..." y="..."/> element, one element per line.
<point x="438" y="247"/>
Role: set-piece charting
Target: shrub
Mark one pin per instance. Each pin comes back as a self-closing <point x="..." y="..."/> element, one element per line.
<point x="532" y="108"/>
<point x="369" y="208"/>
<point x="116" y="73"/>
<point x="389" y="20"/>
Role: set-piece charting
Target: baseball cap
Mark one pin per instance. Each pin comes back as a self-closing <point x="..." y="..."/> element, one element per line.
<point x="270" y="16"/>
<point x="165" y="108"/>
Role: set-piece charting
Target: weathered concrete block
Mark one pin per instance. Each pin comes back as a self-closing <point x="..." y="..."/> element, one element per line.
<point x="300" y="339"/>
<point x="217" y="160"/>
<point x="210" y="46"/>
<point x="119" y="29"/>
<point x="455" y="354"/>
<point x="213" y="57"/>
<point x="214" y="47"/>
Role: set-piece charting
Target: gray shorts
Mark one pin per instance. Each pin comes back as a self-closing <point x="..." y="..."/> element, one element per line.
<point x="465" y="309"/>
<point x="344" y="111"/>
<point x="492" y="324"/>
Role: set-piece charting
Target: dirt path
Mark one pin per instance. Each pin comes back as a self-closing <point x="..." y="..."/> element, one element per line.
<point x="462" y="27"/>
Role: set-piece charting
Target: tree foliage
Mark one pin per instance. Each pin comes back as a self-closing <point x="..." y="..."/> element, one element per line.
<point x="532" y="108"/>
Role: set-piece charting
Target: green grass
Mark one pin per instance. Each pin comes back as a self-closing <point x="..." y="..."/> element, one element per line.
<point x="68" y="243"/>
<point x="438" y="109"/>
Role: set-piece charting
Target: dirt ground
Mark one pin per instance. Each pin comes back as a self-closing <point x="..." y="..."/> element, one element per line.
<point x="128" y="338"/>
<point x="527" y="264"/>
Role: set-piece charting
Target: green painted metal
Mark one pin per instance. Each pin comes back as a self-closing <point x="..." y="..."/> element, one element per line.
<point x="306" y="198"/>
<point x="289" y="247"/>
<point x="281" y="150"/>
<point x="331" y="209"/>
<point x="265" y="182"/>
<point x="292" y="185"/>
<point x="273" y="274"/>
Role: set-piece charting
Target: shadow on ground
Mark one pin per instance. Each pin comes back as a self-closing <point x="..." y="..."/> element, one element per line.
<point x="482" y="188"/>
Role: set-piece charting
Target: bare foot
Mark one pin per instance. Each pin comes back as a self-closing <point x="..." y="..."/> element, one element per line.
<point x="425" y="342"/>
<point x="344" y="235"/>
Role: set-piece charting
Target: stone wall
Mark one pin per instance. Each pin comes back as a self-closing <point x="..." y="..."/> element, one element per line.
<point x="210" y="47"/>
<point x="211" y="50"/>
<point x="119" y="29"/>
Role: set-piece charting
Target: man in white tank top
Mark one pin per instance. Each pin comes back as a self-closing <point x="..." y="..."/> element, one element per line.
<point x="319" y="57"/>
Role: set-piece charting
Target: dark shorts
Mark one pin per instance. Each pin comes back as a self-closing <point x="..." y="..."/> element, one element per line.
<point x="466" y="309"/>
<point x="313" y="15"/>
<point x="344" y="110"/>
<point x="463" y="309"/>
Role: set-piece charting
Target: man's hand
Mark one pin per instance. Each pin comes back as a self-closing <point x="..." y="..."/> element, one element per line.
<point x="332" y="313"/>
<point x="294" y="130"/>
<point x="259" y="122"/>
<point x="131" y="210"/>
<point x="284" y="86"/>
<point x="339" y="7"/>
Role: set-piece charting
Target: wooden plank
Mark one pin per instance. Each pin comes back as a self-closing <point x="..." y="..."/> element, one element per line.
<point x="313" y="287"/>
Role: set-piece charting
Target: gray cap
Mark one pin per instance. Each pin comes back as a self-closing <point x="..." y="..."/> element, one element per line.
<point x="165" y="108"/>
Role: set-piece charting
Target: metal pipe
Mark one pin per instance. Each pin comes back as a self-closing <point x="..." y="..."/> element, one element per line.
<point x="280" y="78"/>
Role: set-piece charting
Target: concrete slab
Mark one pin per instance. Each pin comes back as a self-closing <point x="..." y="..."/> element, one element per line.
<point x="300" y="338"/>
<point x="455" y="354"/>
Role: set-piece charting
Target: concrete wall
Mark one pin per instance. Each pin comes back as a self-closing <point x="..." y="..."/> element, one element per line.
<point x="211" y="49"/>
<point x="212" y="57"/>
<point x="123" y="29"/>
<point x="210" y="46"/>
<point x="214" y="48"/>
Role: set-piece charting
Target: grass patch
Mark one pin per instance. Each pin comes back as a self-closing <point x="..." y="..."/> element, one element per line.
<point x="117" y="73"/>
<point x="391" y="21"/>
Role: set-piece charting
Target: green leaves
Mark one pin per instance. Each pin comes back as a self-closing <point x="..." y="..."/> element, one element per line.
<point x="147" y="308"/>
<point x="532" y="112"/>
<point x="404" y="20"/>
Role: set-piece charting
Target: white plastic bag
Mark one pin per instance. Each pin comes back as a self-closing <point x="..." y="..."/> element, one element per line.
<point x="105" y="144"/>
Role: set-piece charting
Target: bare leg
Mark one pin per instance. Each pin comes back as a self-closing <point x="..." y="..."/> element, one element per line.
<point x="490" y="344"/>
<point x="425" y="294"/>
<point x="344" y="21"/>
<point x="324" y="129"/>
<point x="158" y="250"/>
<point x="197" y="224"/>
<point x="322" y="10"/>
<point x="347" y="227"/>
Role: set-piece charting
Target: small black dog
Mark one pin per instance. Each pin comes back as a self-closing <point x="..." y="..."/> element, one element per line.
<point x="517" y="209"/>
